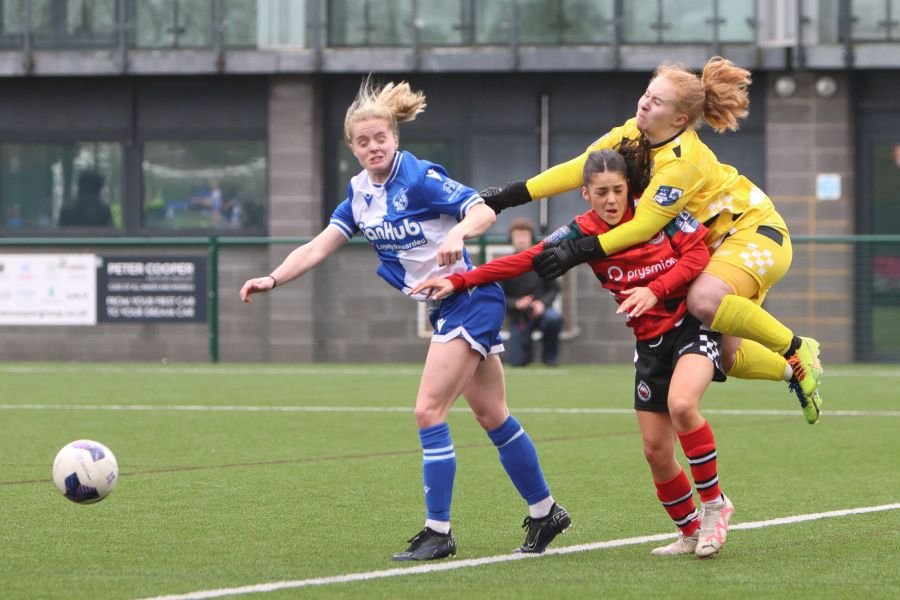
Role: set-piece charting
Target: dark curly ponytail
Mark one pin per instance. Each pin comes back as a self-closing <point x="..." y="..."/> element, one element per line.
<point x="637" y="156"/>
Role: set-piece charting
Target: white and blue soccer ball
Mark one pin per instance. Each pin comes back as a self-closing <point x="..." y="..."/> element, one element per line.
<point x="85" y="471"/>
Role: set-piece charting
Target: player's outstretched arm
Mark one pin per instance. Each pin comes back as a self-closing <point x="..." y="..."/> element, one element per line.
<point x="436" y="288"/>
<point x="512" y="194"/>
<point x="499" y="269"/>
<point x="257" y="285"/>
<point x="299" y="261"/>
<point x="560" y="178"/>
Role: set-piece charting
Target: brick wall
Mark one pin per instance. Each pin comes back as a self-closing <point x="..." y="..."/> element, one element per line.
<point x="806" y="135"/>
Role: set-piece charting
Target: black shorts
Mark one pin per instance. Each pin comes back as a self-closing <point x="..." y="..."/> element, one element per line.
<point x="654" y="361"/>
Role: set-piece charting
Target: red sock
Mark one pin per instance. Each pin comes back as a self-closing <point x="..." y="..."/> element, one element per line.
<point x="677" y="498"/>
<point x="700" y="448"/>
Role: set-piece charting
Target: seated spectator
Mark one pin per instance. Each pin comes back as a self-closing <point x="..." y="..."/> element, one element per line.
<point x="529" y="301"/>
<point x="14" y="216"/>
<point x="88" y="209"/>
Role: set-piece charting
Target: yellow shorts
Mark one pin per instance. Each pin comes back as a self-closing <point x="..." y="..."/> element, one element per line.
<point x="752" y="260"/>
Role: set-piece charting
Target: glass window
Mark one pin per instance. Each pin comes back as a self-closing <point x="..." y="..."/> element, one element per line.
<point x="669" y="20"/>
<point x="282" y="24"/>
<point x="174" y="23"/>
<point x="688" y="21"/>
<point x="240" y="23"/>
<point x="738" y="20"/>
<point x="193" y="23"/>
<point x="13" y="13"/>
<point x="441" y="22"/>
<point x="565" y="21"/>
<point x="639" y="24"/>
<point x="12" y="23"/>
<point x="871" y="22"/>
<point x="821" y="22"/>
<point x="214" y="184"/>
<point x="369" y="23"/>
<point x="74" y="21"/>
<point x="61" y="185"/>
<point x="493" y="19"/>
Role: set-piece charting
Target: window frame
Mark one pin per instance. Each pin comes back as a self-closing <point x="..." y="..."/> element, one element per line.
<point x="130" y="112"/>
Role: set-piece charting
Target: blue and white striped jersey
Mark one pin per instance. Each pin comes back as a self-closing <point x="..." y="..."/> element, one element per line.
<point x="407" y="218"/>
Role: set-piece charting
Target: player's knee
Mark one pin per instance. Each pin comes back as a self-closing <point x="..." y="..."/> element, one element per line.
<point x="729" y="355"/>
<point x="428" y="414"/>
<point x="703" y="305"/>
<point x="683" y="411"/>
<point x="490" y="420"/>
<point x="657" y="454"/>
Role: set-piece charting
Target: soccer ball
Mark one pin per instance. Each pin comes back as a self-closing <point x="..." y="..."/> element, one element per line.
<point x="85" y="471"/>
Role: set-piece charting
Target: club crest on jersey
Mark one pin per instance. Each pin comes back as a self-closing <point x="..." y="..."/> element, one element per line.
<point x="667" y="195"/>
<point x="400" y="201"/>
<point x="450" y="187"/>
<point x="686" y="222"/>
<point x="643" y="392"/>
<point x="658" y="238"/>
<point x="558" y="235"/>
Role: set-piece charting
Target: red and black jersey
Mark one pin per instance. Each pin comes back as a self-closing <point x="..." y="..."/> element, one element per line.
<point x="666" y="264"/>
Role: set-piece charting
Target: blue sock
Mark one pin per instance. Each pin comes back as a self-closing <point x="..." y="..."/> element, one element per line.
<point x="438" y="470"/>
<point x="519" y="457"/>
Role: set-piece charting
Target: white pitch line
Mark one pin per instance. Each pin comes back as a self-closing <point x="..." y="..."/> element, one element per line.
<point x="233" y="370"/>
<point x="502" y="558"/>
<point x="206" y="370"/>
<point x="405" y="409"/>
<point x="227" y="369"/>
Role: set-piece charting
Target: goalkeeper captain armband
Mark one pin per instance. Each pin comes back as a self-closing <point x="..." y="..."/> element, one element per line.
<point x="512" y="194"/>
<point x="556" y="259"/>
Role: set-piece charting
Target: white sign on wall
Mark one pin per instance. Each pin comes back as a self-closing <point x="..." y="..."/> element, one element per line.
<point x="828" y="186"/>
<point x="48" y="289"/>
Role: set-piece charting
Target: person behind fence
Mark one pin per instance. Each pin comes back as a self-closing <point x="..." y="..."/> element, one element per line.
<point x="529" y="307"/>
<point x="675" y="357"/>
<point x="749" y="241"/>
<point x="88" y="209"/>
<point x="416" y="219"/>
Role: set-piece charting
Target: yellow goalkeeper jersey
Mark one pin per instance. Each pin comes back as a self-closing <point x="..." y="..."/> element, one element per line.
<point x="685" y="175"/>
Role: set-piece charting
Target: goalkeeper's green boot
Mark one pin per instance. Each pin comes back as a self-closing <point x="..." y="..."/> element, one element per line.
<point x="806" y="366"/>
<point x="812" y="406"/>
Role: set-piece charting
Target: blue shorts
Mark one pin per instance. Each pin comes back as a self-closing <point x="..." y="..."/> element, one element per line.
<point x="475" y="315"/>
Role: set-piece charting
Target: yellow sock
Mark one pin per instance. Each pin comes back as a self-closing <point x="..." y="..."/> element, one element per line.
<point x="741" y="318"/>
<point x="754" y="361"/>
